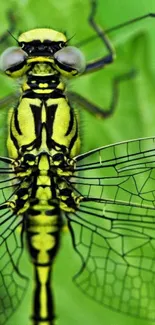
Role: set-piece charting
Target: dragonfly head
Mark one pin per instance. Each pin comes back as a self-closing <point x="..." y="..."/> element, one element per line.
<point x="42" y="46"/>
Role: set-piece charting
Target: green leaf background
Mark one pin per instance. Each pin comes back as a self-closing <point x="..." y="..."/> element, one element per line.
<point x="134" y="117"/>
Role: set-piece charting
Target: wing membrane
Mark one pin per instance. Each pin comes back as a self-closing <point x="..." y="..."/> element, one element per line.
<point x="114" y="229"/>
<point x="12" y="283"/>
<point x="118" y="258"/>
<point x="121" y="172"/>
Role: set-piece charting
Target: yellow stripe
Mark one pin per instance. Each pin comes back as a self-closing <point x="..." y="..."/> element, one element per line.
<point x="43" y="273"/>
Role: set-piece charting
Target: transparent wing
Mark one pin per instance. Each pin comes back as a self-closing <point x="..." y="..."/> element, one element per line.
<point x="114" y="228"/>
<point x="122" y="172"/>
<point x="12" y="283"/>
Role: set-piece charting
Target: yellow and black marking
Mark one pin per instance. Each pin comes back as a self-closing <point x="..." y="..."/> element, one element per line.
<point x="43" y="172"/>
<point x="43" y="138"/>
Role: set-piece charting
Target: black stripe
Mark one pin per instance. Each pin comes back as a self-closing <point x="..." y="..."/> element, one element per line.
<point x="17" y="67"/>
<point x="34" y="200"/>
<point x="36" y="111"/>
<point x="14" y="140"/>
<point x="71" y="121"/>
<point x="16" y="121"/>
<point x="74" y="138"/>
<point x="51" y="84"/>
<point x="33" y="212"/>
<point x="65" y="67"/>
<point x="57" y="94"/>
<point x="38" y="42"/>
<point x="51" y="144"/>
<point x="31" y="94"/>
<point x="42" y="78"/>
<point x="50" y="116"/>
<point x="39" y="78"/>
<point x="36" y="295"/>
<point x="33" y="144"/>
<point x="39" y="48"/>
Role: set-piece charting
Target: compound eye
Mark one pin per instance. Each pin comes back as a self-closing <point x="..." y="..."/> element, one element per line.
<point x="71" y="57"/>
<point x="12" y="57"/>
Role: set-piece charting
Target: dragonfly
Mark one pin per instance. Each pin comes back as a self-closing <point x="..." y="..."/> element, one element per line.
<point x="105" y="197"/>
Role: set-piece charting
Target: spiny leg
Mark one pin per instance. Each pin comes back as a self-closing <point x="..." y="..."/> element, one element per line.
<point x="8" y="100"/>
<point x="114" y="28"/>
<point x="96" y="110"/>
<point x="99" y="63"/>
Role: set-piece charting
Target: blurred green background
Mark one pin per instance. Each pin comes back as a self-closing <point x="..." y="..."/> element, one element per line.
<point x="134" y="117"/>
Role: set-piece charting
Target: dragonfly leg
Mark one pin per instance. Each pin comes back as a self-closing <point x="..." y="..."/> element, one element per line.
<point x="8" y="100"/>
<point x="101" y="62"/>
<point x="93" y="108"/>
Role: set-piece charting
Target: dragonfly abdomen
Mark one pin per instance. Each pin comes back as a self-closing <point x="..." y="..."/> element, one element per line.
<point x="43" y="239"/>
